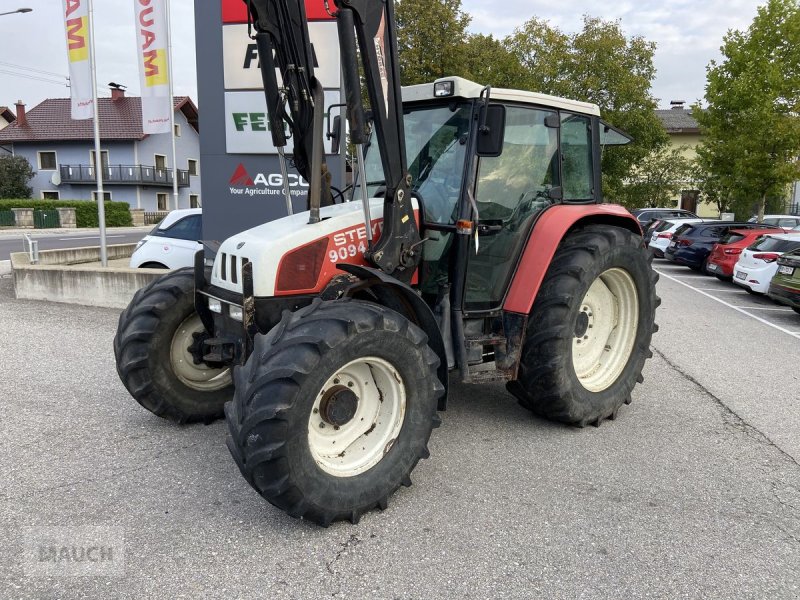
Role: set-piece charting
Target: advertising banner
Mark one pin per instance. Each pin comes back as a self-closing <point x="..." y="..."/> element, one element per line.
<point x="76" y="23"/>
<point x="247" y="125"/>
<point x="153" y="56"/>
<point x="235" y="11"/>
<point x="241" y="56"/>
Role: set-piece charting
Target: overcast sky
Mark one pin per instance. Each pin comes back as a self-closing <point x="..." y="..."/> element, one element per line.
<point x="688" y="34"/>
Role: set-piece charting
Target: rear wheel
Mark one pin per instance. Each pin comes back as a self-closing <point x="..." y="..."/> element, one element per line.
<point x="156" y="349"/>
<point x="333" y="409"/>
<point x="589" y="333"/>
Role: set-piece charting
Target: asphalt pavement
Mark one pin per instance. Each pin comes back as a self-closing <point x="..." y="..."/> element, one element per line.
<point x="693" y="492"/>
<point x="12" y="240"/>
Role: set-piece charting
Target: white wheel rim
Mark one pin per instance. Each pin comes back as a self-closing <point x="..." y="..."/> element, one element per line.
<point x="605" y="332"/>
<point x="351" y="448"/>
<point x="198" y="377"/>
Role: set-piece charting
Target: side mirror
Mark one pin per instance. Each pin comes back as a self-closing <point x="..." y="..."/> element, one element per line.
<point x="492" y="130"/>
<point x="336" y="135"/>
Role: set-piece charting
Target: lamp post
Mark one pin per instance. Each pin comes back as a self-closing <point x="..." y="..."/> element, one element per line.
<point x="19" y="10"/>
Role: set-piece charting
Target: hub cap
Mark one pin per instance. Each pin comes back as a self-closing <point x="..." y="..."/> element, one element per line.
<point x="356" y="417"/>
<point x="605" y="330"/>
<point x="199" y="377"/>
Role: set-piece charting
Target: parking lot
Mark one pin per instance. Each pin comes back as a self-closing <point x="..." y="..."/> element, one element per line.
<point x="693" y="492"/>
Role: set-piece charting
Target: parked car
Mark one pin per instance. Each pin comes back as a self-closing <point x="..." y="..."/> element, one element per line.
<point x="785" y="285"/>
<point x="645" y="215"/>
<point x="692" y="243"/>
<point x="172" y="243"/>
<point x="759" y="262"/>
<point x="784" y="221"/>
<point x="725" y="253"/>
<point x="662" y="233"/>
<point x="658" y="225"/>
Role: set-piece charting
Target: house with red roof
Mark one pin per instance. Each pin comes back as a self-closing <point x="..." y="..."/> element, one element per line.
<point x="137" y="168"/>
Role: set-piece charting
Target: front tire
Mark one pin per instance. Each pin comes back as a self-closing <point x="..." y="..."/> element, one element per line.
<point x="154" y="361"/>
<point x="589" y="332"/>
<point x="333" y="409"/>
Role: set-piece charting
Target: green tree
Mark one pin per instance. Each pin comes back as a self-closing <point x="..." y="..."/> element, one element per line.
<point x="751" y="125"/>
<point x="15" y="172"/>
<point x="658" y="178"/>
<point x="432" y="35"/>
<point x="487" y="60"/>
<point x="599" y="64"/>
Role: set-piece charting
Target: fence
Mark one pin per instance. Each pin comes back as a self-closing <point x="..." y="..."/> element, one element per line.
<point x="153" y="218"/>
<point x="46" y="219"/>
<point x="794" y="208"/>
<point x="7" y="218"/>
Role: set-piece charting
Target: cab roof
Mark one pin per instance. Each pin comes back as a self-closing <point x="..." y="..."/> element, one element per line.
<point x="463" y="88"/>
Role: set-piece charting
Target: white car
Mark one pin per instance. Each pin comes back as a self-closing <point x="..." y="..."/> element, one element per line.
<point x="173" y="242"/>
<point x="759" y="262"/>
<point x="785" y="221"/>
<point x="664" y="232"/>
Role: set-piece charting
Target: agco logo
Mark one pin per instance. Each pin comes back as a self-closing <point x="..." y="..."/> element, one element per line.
<point x="243" y="184"/>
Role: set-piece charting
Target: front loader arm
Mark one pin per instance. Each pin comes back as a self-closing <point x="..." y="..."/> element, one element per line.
<point x="372" y="24"/>
<point x="283" y="43"/>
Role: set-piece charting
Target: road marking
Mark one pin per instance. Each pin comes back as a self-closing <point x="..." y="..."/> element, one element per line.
<point x="782" y="309"/>
<point x="91" y="237"/>
<point x="720" y="290"/>
<point x="729" y="305"/>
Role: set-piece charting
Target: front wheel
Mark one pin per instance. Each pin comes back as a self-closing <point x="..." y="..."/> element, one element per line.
<point x="333" y="409"/>
<point x="157" y="348"/>
<point x="589" y="332"/>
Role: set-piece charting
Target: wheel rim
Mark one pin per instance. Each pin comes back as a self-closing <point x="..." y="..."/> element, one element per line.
<point x="198" y="377"/>
<point x="356" y="417"/>
<point x="605" y="330"/>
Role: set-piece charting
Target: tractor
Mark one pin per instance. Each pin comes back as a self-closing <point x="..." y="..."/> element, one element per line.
<point x="475" y="247"/>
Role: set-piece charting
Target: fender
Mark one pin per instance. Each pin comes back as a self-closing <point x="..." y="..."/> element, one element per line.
<point x="402" y="298"/>
<point x="544" y="240"/>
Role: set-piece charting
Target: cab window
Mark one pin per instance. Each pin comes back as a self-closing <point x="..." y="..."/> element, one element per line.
<point x="576" y="157"/>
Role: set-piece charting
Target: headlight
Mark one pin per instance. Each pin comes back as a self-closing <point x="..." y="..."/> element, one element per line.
<point x="235" y="312"/>
<point x="141" y="243"/>
<point x="215" y="306"/>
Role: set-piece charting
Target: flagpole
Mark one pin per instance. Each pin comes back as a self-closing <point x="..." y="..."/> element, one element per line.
<point x="98" y="156"/>
<point x="172" y="109"/>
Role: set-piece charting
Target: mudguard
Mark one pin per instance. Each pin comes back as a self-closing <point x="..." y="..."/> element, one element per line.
<point x="545" y="239"/>
<point x="400" y="297"/>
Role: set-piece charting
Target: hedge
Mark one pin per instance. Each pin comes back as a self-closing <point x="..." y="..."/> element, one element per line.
<point x="118" y="214"/>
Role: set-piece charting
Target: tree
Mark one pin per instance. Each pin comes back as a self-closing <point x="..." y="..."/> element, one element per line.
<point x="599" y="64"/>
<point x="487" y="60"/>
<point x="15" y="172"/>
<point x="658" y="178"/>
<point x="432" y="35"/>
<point x="751" y="126"/>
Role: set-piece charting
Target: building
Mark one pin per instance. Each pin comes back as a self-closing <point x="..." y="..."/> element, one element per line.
<point x="684" y="133"/>
<point x="6" y="117"/>
<point x="137" y="167"/>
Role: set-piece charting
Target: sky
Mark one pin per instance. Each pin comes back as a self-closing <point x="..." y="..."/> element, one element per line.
<point x="688" y="35"/>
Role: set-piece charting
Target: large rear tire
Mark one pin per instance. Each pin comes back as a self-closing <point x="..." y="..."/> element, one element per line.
<point x="154" y="360"/>
<point x="589" y="332"/>
<point x="333" y="409"/>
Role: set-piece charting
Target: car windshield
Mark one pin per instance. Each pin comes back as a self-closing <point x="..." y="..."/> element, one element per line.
<point x="683" y="229"/>
<point x="731" y="238"/>
<point x="436" y="148"/>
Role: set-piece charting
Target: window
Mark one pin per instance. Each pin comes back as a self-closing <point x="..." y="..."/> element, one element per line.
<point x="193" y="167"/>
<point x="106" y="196"/>
<point x="177" y="130"/>
<point x="576" y="156"/>
<point x="162" y="201"/>
<point x="189" y="228"/>
<point x="161" y="162"/>
<point x="194" y="201"/>
<point x="92" y="158"/>
<point x="512" y="189"/>
<point x="50" y="195"/>
<point x="47" y="161"/>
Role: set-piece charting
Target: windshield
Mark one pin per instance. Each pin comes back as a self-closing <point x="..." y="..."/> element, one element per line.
<point x="436" y="145"/>
<point x="771" y="244"/>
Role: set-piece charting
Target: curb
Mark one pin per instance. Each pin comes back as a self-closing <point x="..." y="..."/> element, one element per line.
<point x="5" y="267"/>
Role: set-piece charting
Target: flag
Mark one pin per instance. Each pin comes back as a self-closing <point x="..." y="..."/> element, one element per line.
<point x="76" y="23"/>
<point x="153" y="50"/>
